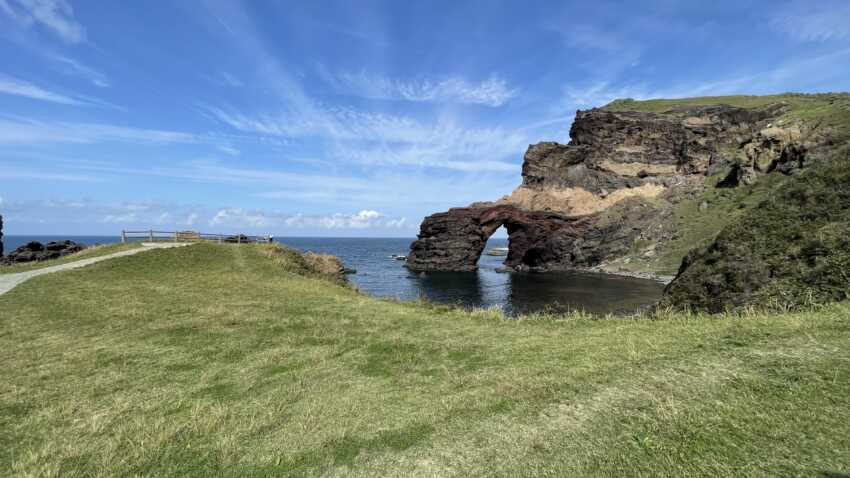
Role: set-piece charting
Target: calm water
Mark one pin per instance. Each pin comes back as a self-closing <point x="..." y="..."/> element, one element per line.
<point x="379" y="275"/>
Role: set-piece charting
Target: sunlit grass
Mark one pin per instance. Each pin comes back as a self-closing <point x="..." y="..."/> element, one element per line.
<point x="219" y="360"/>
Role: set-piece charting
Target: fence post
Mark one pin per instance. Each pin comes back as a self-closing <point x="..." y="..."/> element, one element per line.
<point x="123" y="236"/>
<point x="239" y="238"/>
<point x="176" y="238"/>
<point x="150" y="235"/>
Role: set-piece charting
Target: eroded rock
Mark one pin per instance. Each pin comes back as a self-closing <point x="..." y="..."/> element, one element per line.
<point x="593" y="199"/>
<point x="35" y="251"/>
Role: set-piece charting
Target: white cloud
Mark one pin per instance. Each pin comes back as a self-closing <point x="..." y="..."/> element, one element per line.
<point x="227" y="149"/>
<point x="75" y="68"/>
<point x="492" y="92"/>
<point x="781" y="78"/>
<point x="377" y="138"/>
<point x="365" y="219"/>
<point x="55" y="15"/>
<point x="237" y="217"/>
<point x="15" y="130"/>
<point x="13" y="86"/>
<point x="368" y="137"/>
<point x="120" y="218"/>
<point x="42" y="175"/>
<point x="259" y="219"/>
<point x="814" y="21"/>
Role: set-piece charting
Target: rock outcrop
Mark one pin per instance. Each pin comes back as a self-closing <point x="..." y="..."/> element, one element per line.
<point x="590" y="201"/>
<point x="35" y="251"/>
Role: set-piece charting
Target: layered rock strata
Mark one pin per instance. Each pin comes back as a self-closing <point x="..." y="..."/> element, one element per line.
<point x="588" y="201"/>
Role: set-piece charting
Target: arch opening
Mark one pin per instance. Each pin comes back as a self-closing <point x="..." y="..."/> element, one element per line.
<point x="496" y="247"/>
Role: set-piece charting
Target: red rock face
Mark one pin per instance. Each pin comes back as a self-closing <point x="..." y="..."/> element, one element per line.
<point x="537" y="240"/>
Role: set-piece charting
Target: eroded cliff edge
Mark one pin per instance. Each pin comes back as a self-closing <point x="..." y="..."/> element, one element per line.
<point x="640" y="184"/>
<point x="610" y="197"/>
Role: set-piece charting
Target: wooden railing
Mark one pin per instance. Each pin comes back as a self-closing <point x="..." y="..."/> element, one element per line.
<point x="190" y="236"/>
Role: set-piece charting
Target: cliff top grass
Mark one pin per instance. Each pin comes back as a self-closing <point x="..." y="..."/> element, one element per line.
<point x="826" y="110"/>
<point x="87" y="253"/>
<point x="234" y="360"/>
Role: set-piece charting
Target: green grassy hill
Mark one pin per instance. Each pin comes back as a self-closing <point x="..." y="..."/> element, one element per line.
<point x="226" y="360"/>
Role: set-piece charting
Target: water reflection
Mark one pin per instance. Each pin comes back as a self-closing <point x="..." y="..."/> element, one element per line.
<point x="462" y="288"/>
<point x="567" y="291"/>
<point x="379" y="275"/>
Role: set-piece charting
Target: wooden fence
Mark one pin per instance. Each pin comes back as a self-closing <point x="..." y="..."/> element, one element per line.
<point x="190" y="236"/>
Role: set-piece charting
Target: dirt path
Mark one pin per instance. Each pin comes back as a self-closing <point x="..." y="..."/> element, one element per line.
<point x="10" y="281"/>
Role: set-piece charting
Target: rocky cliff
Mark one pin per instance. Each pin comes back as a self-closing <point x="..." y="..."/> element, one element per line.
<point x="613" y="191"/>
<point x="639" y="184"/>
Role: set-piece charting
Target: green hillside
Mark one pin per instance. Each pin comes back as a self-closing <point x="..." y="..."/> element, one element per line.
<point x="227" y="360"/>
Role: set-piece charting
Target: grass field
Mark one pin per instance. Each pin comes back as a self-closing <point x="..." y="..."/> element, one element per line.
<point x="215" y="360"/>
<point x="94" y="251"/>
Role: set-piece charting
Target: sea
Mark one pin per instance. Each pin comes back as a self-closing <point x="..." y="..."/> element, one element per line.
<point x="380" y="275"/>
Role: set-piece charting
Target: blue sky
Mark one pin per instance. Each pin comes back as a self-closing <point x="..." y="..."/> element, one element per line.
<point x="350" y="118"/>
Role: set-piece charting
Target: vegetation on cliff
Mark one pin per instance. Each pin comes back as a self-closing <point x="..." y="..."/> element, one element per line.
<point x="792" y="249"/>
<point x="233" y="360"/>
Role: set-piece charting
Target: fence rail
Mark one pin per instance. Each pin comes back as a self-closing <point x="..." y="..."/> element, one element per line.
<point x="190" y="236"/>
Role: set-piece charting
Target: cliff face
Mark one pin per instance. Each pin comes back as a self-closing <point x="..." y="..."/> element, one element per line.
<point x="753" y="193"/>
<point x="614" y="188"/>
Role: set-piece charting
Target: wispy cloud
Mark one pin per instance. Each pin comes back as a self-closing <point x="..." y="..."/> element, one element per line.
<point x="377" y="138"/>
<point x="56" y="16"/>
<point x="778" y="79"/>
<point x="814" y="21"/>
<point x="223" y="78"/>
<point x="14" y="130"/>
<point x="492" y="92"/>
<point x="258" y="218"/>
<point x="370" y="137"/>
<point x="16" y="87"/>
<point x="7" y="172"/>
<point x="76" y="68"/>
<point x="143" y="214"/>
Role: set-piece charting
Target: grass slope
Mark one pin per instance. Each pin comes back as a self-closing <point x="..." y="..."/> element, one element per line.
<point x="792" y="249"/>
<point x="94" y="251"/>
<point x="214" y="360"/>
<point x="827" y="110"/>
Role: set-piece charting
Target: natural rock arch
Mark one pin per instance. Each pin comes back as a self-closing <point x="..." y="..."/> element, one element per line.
<point x="454" y="240"/>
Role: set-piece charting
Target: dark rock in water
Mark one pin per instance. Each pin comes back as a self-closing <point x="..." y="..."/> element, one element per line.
<point x="537" y="240"/>
<point x="35" y="251"/>
<point x="349" y="270"/>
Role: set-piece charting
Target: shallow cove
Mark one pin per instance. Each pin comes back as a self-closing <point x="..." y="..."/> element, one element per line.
<point x="515" y="293"/>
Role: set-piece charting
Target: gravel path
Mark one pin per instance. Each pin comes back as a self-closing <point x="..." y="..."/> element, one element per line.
<point x="10" y="281"/>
